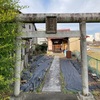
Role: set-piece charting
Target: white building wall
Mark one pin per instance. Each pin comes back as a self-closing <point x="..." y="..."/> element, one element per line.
<point x="29" y="27"/>
<point x="41" y="40"/>
<point x="90" y="38"/>
<point x="28" y="44"/>
<point x="97" y="36"/>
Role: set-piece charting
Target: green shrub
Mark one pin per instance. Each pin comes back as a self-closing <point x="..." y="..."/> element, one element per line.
<point x="9" y="9"/>
<point x="41" y="48"/>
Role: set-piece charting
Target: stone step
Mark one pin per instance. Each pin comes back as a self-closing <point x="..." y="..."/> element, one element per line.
<point x="47" y="96"/>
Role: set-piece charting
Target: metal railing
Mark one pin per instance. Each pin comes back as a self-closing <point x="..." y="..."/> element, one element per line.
<point x="93" y="63"/>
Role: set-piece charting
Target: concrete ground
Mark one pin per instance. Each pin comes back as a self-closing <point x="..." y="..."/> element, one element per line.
<point x="53" y="96"/>
<point x="47" y="96"/>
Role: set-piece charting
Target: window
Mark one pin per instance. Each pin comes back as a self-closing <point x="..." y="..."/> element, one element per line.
<point x="23" y="25"/>
<point x="29" y="26"/>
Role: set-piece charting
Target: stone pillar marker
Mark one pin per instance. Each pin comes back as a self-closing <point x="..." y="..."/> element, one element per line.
<point x="17" y="67"/>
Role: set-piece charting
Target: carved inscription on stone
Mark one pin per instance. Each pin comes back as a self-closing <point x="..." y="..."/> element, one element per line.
<point x="51" y="24"/>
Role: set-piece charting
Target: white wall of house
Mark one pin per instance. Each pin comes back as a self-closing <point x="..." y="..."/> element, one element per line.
<point x="29" y="27"/>
<point x="41" y="40"/>
<point x="97" y="36"/>
<point x="27" y="44"/>
<point x="90" y="38"/>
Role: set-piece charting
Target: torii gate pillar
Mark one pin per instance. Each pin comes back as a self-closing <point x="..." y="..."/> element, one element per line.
<point x="85" y="94"/>
<point x="85" y="89"/>
<point x="17" y="67"/>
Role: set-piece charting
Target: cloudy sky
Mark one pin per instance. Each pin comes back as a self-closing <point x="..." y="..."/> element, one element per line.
<point x="64" y="6"/>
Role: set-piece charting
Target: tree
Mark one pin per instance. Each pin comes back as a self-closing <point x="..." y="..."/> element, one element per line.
<point x="9" y="9"/>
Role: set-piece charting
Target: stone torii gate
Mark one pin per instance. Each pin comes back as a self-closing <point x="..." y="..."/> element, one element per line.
<point x="82" y="19"/>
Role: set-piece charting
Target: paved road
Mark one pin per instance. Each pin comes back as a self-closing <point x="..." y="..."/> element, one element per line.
<point x="52" y="83"/>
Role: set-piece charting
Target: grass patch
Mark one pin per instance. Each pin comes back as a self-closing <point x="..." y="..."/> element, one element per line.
<point x="95" y="55"/>
<point x="5" y="95"/>
<point x="39" y="89"/>
<point x="94" y="61"/>
<point x="96" y="93"/>
<point x="71" y="92"/>
<point x="63" y="89"/>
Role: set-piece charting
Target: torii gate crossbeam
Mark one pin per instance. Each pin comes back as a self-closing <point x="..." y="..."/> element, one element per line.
<point x="61" y="18"/>
<point x="42" y="34"/>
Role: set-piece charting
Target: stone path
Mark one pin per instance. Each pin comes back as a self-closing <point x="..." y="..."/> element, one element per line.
<point x="52" y="83"/>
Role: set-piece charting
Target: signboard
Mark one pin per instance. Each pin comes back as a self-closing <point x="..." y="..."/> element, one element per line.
<point x="51" y="24"/>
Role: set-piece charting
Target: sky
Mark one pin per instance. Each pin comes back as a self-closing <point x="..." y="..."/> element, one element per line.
<point x="64" y="6"/>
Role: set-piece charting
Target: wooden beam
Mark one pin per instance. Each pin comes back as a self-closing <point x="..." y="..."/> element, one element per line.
<point x="43" y="34"/>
